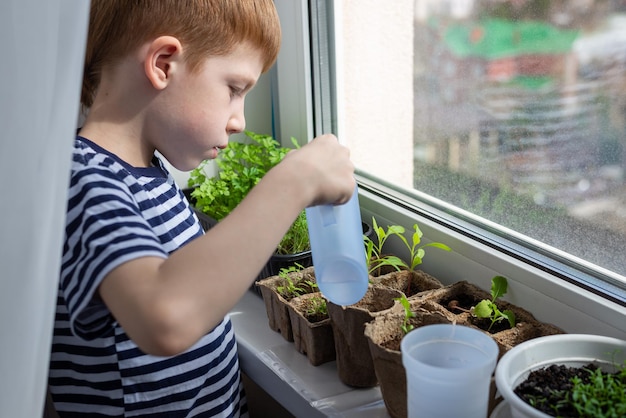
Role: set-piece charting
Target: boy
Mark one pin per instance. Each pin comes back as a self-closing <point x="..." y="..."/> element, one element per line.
<point x="142" y="326"/>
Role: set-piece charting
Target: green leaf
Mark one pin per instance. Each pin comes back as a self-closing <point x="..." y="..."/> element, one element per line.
<point x="405" y="303"/>
<point x="498" y="287"/>
<point x="510" y="316"/>
<point x="374" y="224"/>
<point x="417" y="258"/>
<point x="417" y="235"/>
<point x="483" y="309"/>
<point x="380" y="233"/>
<point x="408" y="313"/>
<point x="420" y="254"/>
<point x="395" y="230"/>
<point x="369" y="248"/>
<point x="438" y="245"/>
<point x="392" y="260"/>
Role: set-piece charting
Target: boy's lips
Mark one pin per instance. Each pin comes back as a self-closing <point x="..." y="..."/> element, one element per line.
<point x="216" y="150"/>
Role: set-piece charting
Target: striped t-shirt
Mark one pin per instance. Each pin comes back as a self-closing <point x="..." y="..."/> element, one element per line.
<point x="117" y="213"/>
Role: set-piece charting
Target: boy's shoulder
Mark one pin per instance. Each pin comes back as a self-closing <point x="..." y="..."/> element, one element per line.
<point x="87" y="154"/>
<point x="90" y="157"/>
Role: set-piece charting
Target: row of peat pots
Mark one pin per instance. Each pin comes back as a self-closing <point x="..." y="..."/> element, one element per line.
<point x="364" y="338"/>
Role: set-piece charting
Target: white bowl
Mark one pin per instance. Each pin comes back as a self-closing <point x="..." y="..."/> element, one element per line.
<point x="573" y="350"/>
<point x="502" y="410"/>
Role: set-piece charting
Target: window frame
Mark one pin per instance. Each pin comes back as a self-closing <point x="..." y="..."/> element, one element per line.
<point x="575" y="299"/>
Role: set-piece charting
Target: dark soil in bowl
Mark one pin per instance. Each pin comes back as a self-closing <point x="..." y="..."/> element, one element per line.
<point x="549" y="389"/>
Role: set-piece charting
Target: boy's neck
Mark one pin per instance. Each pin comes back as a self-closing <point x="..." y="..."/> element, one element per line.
<point x="120" y="140"/>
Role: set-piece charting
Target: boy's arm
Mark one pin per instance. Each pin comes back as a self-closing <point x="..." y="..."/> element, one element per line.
<point x="165" y="306"/>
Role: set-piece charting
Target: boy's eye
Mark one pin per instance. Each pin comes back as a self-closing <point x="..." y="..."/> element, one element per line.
<point x="235" y="91"/>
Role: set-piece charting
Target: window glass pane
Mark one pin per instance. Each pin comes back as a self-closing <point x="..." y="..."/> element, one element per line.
<point x="512" y="110"/>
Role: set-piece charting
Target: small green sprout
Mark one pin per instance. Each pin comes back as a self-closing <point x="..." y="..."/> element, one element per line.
<point x="603" y="396"/>
<point x="595" y="393"/>
<point x="317" y="307"/>
<point x="416" y="252"/>
<point x="408" y="314"/>
<point x="374" y="250"/>
<point x="374" y="256"/>
<point x="291" y="289"/>
<point x="488" y="308"/>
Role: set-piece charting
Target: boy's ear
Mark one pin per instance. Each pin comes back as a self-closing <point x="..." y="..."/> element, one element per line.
<point x="162" y="59"/>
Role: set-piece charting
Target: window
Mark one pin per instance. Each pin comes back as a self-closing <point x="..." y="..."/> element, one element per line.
<point x="505" y="120"/>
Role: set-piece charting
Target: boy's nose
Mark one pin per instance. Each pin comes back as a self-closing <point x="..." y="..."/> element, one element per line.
<point x="237" y="123"/>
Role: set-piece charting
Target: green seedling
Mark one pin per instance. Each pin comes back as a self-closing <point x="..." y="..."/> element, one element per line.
<point x="417" y="252"/>
<point x="408" y="314"/>
<point x="603" y="396"/>
<point x="317" y="307"/>
<point x="296" y="239"/>
<point x="488" y="308"/>
<point x="290" y="289"/>
<point x="374" y="250"/>
<point x="596" y="394"/>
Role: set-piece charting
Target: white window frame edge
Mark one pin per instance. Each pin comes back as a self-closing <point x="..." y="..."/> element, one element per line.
<point x="296" y="113"/>
<point x="292" y="96"/>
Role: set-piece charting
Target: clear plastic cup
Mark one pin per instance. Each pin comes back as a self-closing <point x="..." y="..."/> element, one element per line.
<point x="337" y="248"/>
<point x="448" y="371"/>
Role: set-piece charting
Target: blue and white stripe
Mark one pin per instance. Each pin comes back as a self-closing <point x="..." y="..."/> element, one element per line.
<point x="117" y="213"/>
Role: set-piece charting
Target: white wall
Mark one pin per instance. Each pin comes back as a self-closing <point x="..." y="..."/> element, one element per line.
<point x="43" y="43"/>
<point x="377" y="123"/>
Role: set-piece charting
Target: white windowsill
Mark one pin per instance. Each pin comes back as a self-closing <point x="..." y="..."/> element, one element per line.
<point x="278" y="368"/>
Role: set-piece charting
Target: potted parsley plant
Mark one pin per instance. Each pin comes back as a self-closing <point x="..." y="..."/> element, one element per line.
<point x="240" y="167"/>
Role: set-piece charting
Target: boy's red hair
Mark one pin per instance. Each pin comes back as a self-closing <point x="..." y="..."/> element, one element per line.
<point x="204" y="27"/>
